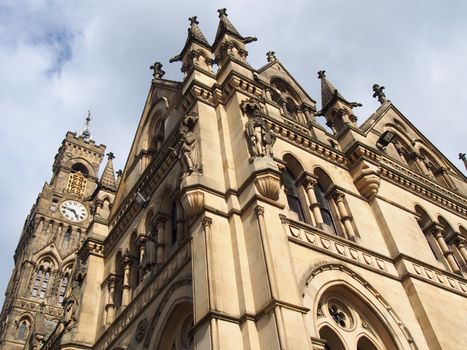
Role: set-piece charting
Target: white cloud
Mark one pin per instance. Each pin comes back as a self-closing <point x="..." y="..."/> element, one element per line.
<point x="60" y="59"/>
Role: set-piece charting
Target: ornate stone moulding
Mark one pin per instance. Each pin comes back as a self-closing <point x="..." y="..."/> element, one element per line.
<point x="192" y="202"/>
<point x="268" y="184"/>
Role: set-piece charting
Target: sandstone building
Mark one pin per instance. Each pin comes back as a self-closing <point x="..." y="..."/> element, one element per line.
<point x="240" y="222"/>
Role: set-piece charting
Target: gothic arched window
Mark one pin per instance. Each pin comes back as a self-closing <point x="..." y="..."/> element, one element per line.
<point x="45" y="283"/>
<point x="37" y="282"/>
<point x="325" y="209"/>
<point x="23" y="330"/>
<point x="63" y="285"/>
<point x="293" y="199"/>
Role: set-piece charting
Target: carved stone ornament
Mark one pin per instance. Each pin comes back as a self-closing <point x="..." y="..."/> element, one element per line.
<point x="366" y="178"/>
<point x="268" y="185"/>
<point x="260" y="139"/>
<point x="141" y="330"/>
<point x="192" y="202"/>
<point x="187" y="149"/>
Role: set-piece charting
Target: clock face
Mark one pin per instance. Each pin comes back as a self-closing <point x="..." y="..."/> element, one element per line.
<point x="73" y="210"/>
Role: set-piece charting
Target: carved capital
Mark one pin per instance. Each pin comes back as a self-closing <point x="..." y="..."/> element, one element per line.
<point x="259" y="210"/>
<point x="338" y="196"/>
<point x="159" y="221"/>
<point x="206" y="222"/>
<point x="309" y="181"/>
<point x="436" y="230"/>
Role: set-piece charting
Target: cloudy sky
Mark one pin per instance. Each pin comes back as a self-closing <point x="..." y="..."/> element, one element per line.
<point x="60" y="58"/>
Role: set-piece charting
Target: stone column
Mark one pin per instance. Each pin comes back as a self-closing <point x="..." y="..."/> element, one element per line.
<point x="438" y="232"/>
<point x="444" y="173"/>
<point x="309" y="183"/>
<point x="421" y="164"/>
<point x="126" y="280"/>
<point x="110" y="306"/>
<point x="141" y="243"/>
<point x="339" y="198"/>
<point x="160" y="226"/>
<point x="460" y="243"/>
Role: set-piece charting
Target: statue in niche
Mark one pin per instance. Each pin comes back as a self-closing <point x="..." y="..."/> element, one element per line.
<point x="187" y="148"/>
<point x="72" y="301"/>
<point x="260" y="138"/>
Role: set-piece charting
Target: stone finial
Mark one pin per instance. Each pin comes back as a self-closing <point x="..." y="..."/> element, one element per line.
<point x="193" y="20"/>
<point x="321" y="74"/>
<point x="271" y="56"/>
<point x="379" y="94"/>
<point x="119" y="173"/>
<point x="110" y="155"/>
<point x="158" y="73"/>
<point x="86" y="133"/>
<point x="222" y="12"/>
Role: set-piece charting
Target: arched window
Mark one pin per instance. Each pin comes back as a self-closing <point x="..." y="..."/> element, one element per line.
<point x="347" y="322"/>
<point x="326" y="214"/>
<point x="425" y="222"/>
<point x="293" y="200"/>
<point x="37" y="282"/>
<point x="365" y="344"/>
<point x="332" y="339"/>
<point x="23" y="330"/>
<point x="79" y="167"/>
<point x="45" y="283"/>
<point x="63" y="285"/>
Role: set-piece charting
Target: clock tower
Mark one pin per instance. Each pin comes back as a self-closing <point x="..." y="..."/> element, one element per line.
<point x="52" y="234"/>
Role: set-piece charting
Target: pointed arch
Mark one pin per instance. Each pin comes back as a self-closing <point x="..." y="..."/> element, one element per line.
<point x="426" y="222"/>
<point x="294" y="192"/>
<point x="337" y="281"/>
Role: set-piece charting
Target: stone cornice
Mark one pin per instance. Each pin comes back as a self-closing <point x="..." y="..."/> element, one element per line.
<point x="91" y="246"/>
<point x="409" y="179"/>
<point x="288" y="132"/>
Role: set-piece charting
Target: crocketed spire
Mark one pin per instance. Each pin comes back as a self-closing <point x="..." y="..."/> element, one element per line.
<point x="328" y="92"/>
<point x="107" y="180"/>
<point x="226" y="27"/>
<point x="195" y="35"/>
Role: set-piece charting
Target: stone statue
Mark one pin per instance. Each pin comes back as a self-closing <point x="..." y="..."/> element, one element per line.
<point x="258" y="134"/>
<point x="187" y="150"/>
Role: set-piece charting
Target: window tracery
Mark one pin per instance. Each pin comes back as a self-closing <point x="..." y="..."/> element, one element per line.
<point x="344" y="324"/>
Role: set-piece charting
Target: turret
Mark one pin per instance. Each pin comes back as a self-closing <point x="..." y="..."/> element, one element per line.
<point x="334" y="107"/>
<point x="229" y="43"/>
<point x="197" y="51"/>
